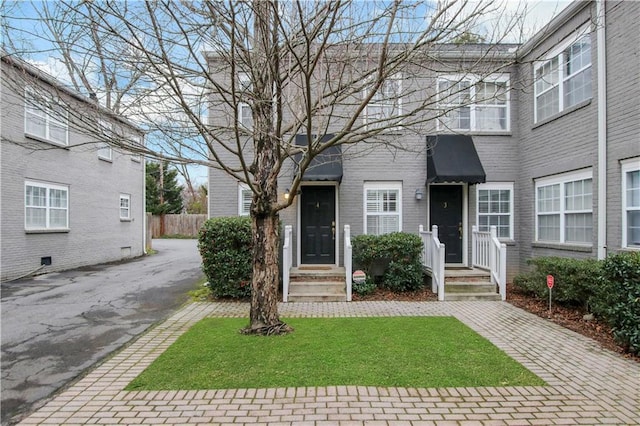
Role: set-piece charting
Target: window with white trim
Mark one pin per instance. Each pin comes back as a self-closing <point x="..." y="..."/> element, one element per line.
<point x="105" y="152"/>
<point x="244" y="199"/>
<point x="385" y="104"/>
<point x="137" y="142"/>
<point x="564" y="208"/>
<point x="564" y="78"/>
<point x="46" y="206"/>
<point x="382" y="207"/>
<point x="245" y="116"/>
<point x="631" y="204"/>
<point x="45" y="118"/>
<point x="495" y="208"/>
<point x="469" y="103"/>
<point x="125" y="207"/>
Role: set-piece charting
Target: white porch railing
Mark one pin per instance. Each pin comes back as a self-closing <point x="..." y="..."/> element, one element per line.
<point x="433" y="258"/>
<point x="487" y="252"/>
<point x="287" y="261"/>
<point x="348" y="261"/>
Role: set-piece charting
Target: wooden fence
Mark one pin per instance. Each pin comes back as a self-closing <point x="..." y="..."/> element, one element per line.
<point x="177" y="224"/>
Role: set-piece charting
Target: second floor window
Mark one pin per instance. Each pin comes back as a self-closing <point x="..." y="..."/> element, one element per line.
<point x="245" y="116"/>
<point x="564" y="79"/>
<point x="473" y="105"/>
<point x="385" y="104"/>
<point x="45" y="119"/>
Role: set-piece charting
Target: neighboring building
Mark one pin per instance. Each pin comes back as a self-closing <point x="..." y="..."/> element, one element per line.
<point x="547" y="150"/>
<point x="68" y="199"/>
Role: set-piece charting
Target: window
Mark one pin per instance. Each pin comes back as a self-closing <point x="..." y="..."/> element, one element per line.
<point x="564" y="209"/>
<point x="631" y="203"/>
<point x="382" y="207"/>
<point x="385" y="104"/>
<point x="125" y="207"/>
<point x="45" y="119"/>
<point x="104" y="149"/>
<point x="495" y="208"/>
<point x="137" y="142"/>
<point x="46" y="206"/>
<point x="564" y="79"/>
<point x="244" y="199"/>
<point x="245" y="117"/>
<point x="470" y="104"/>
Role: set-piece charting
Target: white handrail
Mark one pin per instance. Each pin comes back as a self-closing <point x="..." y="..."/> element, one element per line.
<point x="287" y="261"/>
<point x="348" y="261"/>
<point x="490" y="254"/>
<point x="433" y="258"/>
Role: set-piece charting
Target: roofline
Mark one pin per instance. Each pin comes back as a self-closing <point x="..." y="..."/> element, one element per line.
<point x="41" y="75"/>
<point x="554" y="25"/>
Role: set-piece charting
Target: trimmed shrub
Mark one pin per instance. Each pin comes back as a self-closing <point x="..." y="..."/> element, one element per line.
<point x="392" y="260"/>
<point x="575" y="280"/>
<point x="617" y="300"/>
<point x="225" y="247"/>
<point x="362" y="289"/>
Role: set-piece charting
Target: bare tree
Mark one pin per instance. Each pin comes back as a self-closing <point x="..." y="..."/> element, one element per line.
<point x="187" y="71"/>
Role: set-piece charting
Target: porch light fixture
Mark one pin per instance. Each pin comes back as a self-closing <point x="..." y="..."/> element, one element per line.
<point x="286" y="194"/>
<point x="419" y="194"/>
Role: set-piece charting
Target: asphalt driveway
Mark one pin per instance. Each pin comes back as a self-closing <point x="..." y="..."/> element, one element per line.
<point x="55" y="326"/>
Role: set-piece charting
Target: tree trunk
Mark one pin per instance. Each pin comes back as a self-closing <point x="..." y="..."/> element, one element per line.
<point x="264" y="291"/>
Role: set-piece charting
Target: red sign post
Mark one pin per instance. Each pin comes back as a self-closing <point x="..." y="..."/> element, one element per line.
<point x="550" y="282"/>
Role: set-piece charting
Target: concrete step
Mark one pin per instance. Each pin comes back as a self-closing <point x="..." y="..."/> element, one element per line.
<point x="308" y="273"/>
<point x="468" y="287"/>
<point x="458" y="297"/>
<point x="317" y="287"/>
<point x="316" y="297"/>
<point x="466" y="275"/>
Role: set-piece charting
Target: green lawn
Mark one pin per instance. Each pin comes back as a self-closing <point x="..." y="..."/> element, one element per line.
<point x="390" y="351"/>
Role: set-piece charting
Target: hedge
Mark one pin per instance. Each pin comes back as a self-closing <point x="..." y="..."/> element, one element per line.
<point x="225" y="247"/>
<point x="575" y="280"/>
<point x="390" y="260"/>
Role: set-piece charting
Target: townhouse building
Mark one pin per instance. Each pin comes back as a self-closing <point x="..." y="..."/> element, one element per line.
<point x="71" y="194"/>
<point x="540" y="141"/>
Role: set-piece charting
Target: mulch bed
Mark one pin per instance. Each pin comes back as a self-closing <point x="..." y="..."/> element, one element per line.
<point x="571" y="318"/>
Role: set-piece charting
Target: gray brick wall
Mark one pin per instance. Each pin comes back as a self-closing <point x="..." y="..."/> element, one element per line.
<point x="96" y="234"/>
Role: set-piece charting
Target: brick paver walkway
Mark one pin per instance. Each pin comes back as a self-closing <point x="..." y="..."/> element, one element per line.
<point x="587" y="384"/>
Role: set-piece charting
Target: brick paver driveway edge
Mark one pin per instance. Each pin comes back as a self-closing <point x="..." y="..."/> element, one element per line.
<point x="587" y="384"/>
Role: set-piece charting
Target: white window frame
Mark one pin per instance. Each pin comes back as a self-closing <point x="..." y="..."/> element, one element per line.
<point x="473" y="104"/>
<point x="628" y="166"/>
<point x="496" y="186"/>
<point x="243" y="208"/>
<point x="127" y="208"/>
<point x="382" y="186"/>
<point x="136" y="141"/>
<point x="42" y="107"/>
<point x="105" y="152"/>
<point x="47" y="207"/>
<point x="561" y="78"/>
<point x="245" y="116"/>
<point x="389" y="104"/>
<point x="562" y="180"/>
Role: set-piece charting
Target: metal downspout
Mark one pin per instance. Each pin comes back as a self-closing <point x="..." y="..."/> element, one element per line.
<point x="602" y="129"/>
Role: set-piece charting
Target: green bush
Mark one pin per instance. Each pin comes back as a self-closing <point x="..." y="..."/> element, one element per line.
<point x="617" y="300"/>
<point x="393" y="259"/>
<point x="225" y="247"/>
<point x="364" y="288"/>
<point x="575" y="280"/>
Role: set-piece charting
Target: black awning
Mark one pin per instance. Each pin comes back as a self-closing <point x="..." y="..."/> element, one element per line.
<point x="326" y="166"/>
<point x="453" y="158"/>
